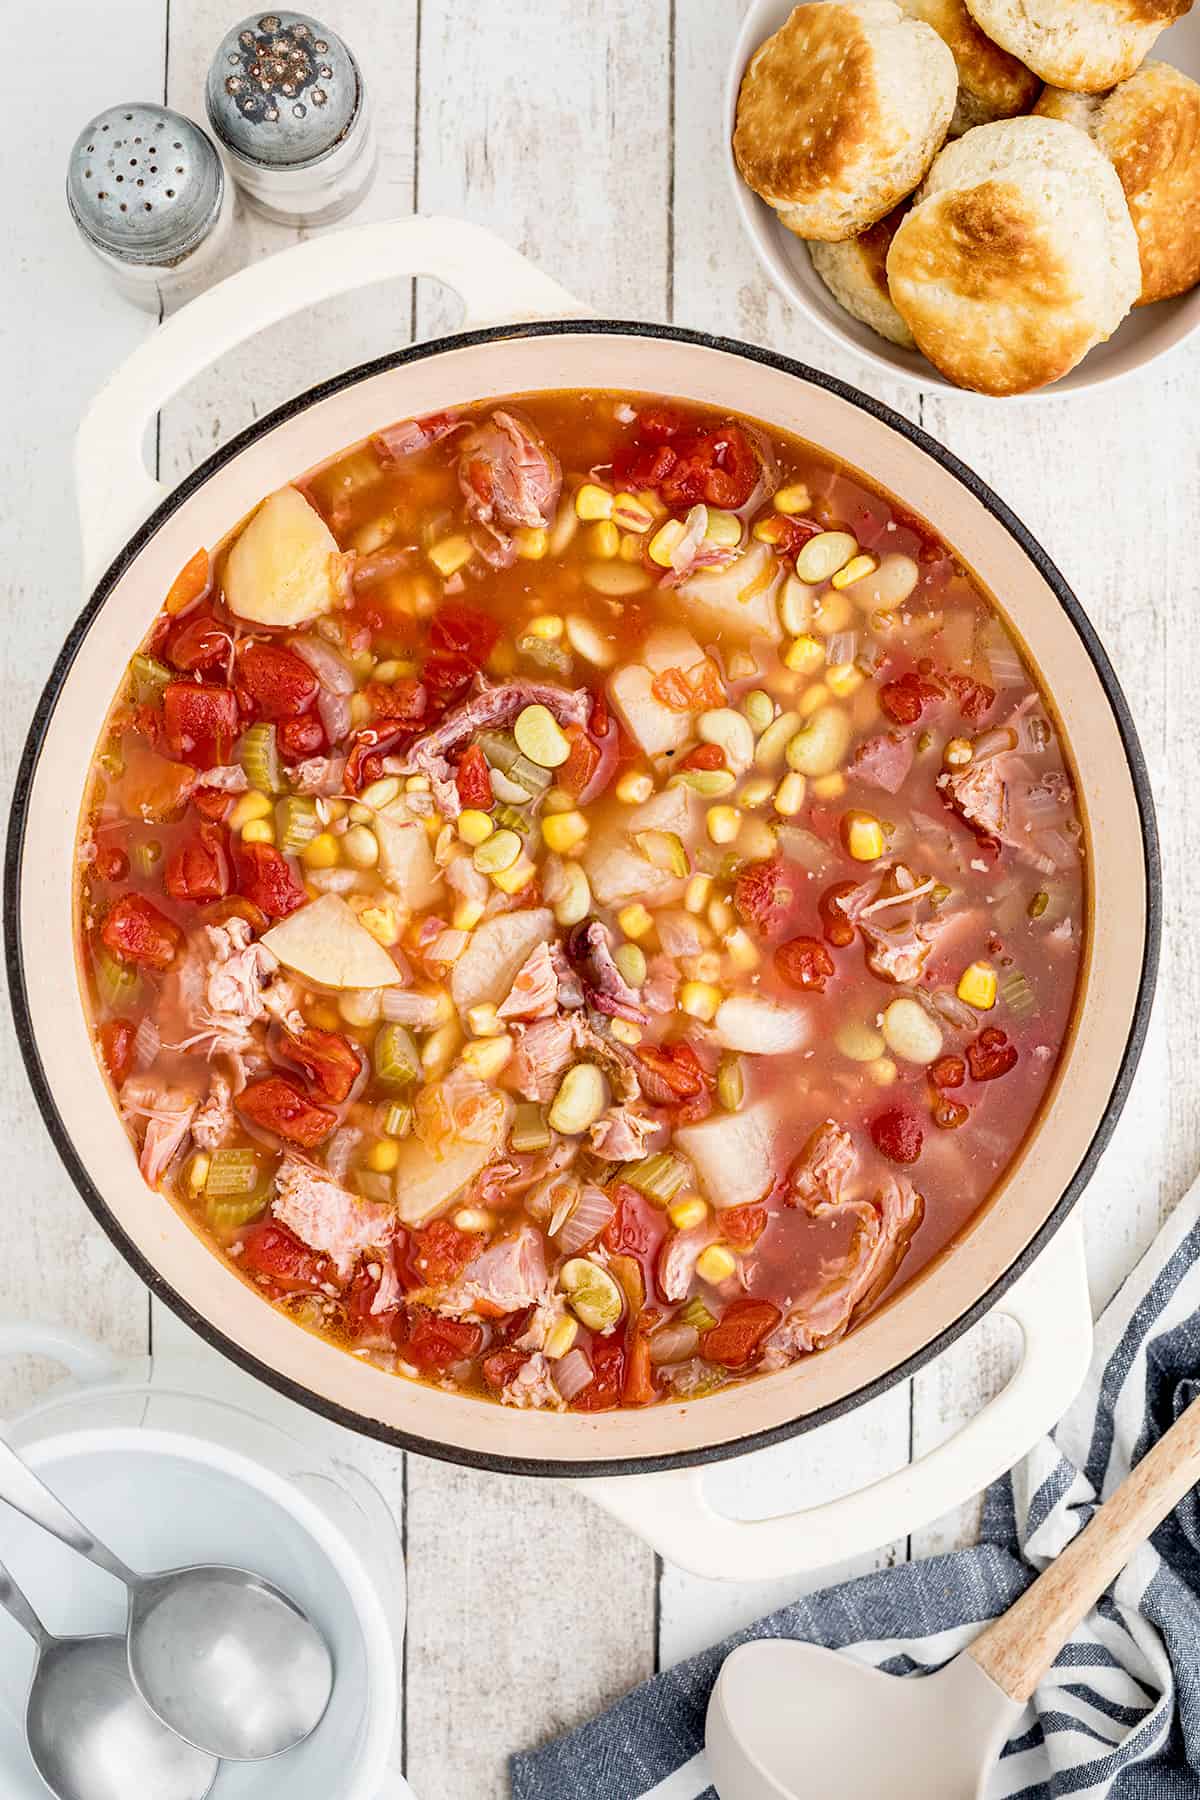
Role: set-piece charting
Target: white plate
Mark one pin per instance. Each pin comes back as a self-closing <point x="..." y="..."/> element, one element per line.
<point x="1148" y="332"/>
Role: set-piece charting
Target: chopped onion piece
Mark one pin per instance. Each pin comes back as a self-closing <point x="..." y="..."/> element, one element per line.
<point x="994" y="742"/>
<point x="842" y="648"/>
<point x="955" y="1011"/>
<point x="146" y="1042"/>
<point x="674" y="1343"/>
<point x="572" y="1373"/>
<point x="420" y="1011"/>
<point x="339" y="1151"/>
<point x="591" y="1213"/>
<point x="805" y="848"/>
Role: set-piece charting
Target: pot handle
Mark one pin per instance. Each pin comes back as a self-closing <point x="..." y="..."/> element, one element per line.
<point x="1052" y="1306"/>
<point x="116" y="490"/>
<point x="81" y="1356"/>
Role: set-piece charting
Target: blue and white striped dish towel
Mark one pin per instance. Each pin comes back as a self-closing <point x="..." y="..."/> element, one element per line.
<point x="1117" y="1717"/>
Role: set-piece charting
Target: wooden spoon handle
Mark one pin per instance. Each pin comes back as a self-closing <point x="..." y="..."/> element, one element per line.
<point x="1018" y="1648"/>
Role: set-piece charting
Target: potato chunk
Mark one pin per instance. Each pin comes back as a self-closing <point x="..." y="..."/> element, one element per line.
<point x="285" y="566"/>
<point x="324" y="942"/>
<point x="738" y="600"/>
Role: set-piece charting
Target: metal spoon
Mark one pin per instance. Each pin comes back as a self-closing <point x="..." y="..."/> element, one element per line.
<point x="221" y="1655"/>
<point x="86" y="1725"/>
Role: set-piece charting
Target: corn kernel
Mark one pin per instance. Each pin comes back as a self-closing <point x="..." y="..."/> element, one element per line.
<point x="593" y="502"/>
<point x="842" y="679"/>
<point x="855" y="569"/>
<point x="438" y="1049"/>
<point x="531" y="542"/>
<point x="742" y="951"/>
<point x="360" y="709"/>
<point x="665" y="540"/>
<point x="977" y="986"/>
<point x="716" y="1264"/>
<point x="258" y="831"/>
<point x="804" y="655"/>
<point x="562" y="832"/>
<point x="383" y="1156"/>
<point x="197" y="1171"/>
<point x="634" y="787"/>
<point x="793" y="499"/>
<point x="882" y="1071"/>
<point x="723" y="824"/>
<point x="547" y="626"/>
<point x="389" y="671"/>
<point x="484" y="1020"/>
<point x="474" y="827"/>
<point x="557" y="800"/>
<point x="634" y="920"/>
<point x="769" y="530"/>
<point x="486" y="1056"/>
<point x="625" y="1031"/>
<point x="380" y="921"/>
<point x="360" y="847"/>
<point x="812" y="700"/>
<point x="249" y="807"/>
<point x="475" y="1218"/>
<point x="467" y="914"/>
<point x="654" y="505"/>
<point x="631" y="547"/>
<point x="630" y="514"/>
<point x="451" y="554"/>
<point x="687" y="1212"/>
<point x="323" y="1014"/>
<point x="720" y="914"/>
<point x="415" y="784"/>
<point x="695" y="895"/>
<point x="604" y="540"/>
<point x="863" y="836"/>
<point x="511" y="881"/>
<point x="757" y="841"/>
<point x="834" y="613"/>
<point x="359" y="814"/>
<point x="560" y="1337"/>
<point x="789" y="795"/>
<point x="700" y="1000"/>
<point x="958" y="753"/>
<point x="829" y="787"/>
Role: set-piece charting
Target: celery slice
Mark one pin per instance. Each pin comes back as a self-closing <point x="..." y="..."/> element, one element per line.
<point x="296" y="822"/>
<point x="695" y="1314"/>
<point x="731" y="1087"/>
<point x="259" y="757"/>
<point x="233" y="1174"/>
<point x="117" y="982"/>
<point x="665" y="850"/>
<point x="149" y="677"/>
<point x="1017" y="994"/>
<point x="511" y="818"/>
<point x="500" y="748"/>
<point x="396" y="1057"/>
<point x="659" y="1177"/>
<point x="529" y="1128"/>
<point x="545" y="654"/>
<point x="397" y="1120"/>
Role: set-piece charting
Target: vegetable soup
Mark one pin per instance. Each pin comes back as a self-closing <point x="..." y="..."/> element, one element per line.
<point x="578" y="897"/>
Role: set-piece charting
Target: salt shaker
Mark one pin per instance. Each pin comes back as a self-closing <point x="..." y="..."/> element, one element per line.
<point x="149" y="197"/>
<point x="286" y="102"/>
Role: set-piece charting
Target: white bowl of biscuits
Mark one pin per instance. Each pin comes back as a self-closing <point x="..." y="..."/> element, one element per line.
<point x="1004" y="199"/>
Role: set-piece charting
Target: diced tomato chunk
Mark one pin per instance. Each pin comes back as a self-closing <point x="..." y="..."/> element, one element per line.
<point x="430" y="1342"/>
<point x="658" y="424"/>
<point x="897" y="1135"/>
<point x="200" y="723"/>
<point x="198" y="869"/>
<point x="116" y="1047"/>
<point x="271" y="1250"/>
<point x="603" y="1392"/>
<point x="466" y="631"/>
<point x="502" y="1366"/>
<point x="404" y="701"/>
<point x="445" y="674"/>
<point x="738" y="1335"/>
<point x="804" y="962"/>
<point x="111" y="863"/>
<point x="191" y="583"/>
<point x="670" y="1072"/>
<point x="991" y="1055"/>
<point x="905" y="699"/>
<point x="639" y="1387"/>
<point x="137" y="932"/>
<point x="199" y="645"/>
<point x="276" y="1105"/>
<point x="265" y="877"/>
<point x="742" y="1226"/>
<point x="473" y="779"/>
<point x="974" y="698"/>
<point x="153" y="788"/>
<point x="764" y="894"/>
<point x="329" y="1060"/>
<point x="279" y="684"/>
<point x="637" y="1227"/>
<point x="947" y="1114"/>
<point x="439" y="1252"/>
<point x="298" y="738"/>
<point x="212" y="803"/>
<point x="581" y="764"/>
<point x="643" y="465"/>
<point x="837" y="927"/>
<point x="704" y="756"/>
<point x="238" y="907"/>
<point x="948" y="1072"/>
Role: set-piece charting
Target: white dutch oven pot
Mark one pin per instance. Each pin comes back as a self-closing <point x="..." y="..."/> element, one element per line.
<point x="136" y="537"/>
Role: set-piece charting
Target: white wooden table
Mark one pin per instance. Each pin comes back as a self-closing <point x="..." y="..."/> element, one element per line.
<point x="588" y="132"/>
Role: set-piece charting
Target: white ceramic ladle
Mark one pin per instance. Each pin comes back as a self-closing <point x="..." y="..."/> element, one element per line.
<point x="791" y="1721"/>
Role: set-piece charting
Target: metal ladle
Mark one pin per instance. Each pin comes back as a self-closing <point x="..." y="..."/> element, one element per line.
<point x="86" y="1725"/>
<point x="221" y="1655"/>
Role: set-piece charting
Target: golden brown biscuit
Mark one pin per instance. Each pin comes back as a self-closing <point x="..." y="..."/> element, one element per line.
<point x="1017" y="257"/>
<point x="1085" y="45"/>
<point x="855" y="272"/>
<point x="1149" y="128"/>
<point x="991" y="83"/>
<point x="841" y="113"/>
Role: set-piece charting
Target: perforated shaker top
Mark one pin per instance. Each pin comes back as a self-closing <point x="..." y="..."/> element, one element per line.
<point x="283" y="91"/>
<point x="144" y="183"/>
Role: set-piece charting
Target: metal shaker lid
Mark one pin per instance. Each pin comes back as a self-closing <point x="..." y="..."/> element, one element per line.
<point x="144" y="183"/>
<point x="282" y="90"/>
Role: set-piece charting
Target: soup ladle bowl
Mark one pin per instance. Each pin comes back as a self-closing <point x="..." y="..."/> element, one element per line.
<point x="220" y="1655"/>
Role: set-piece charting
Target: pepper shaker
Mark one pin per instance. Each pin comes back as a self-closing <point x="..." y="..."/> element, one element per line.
<point x="149" y="197"/>
<point x="286" y="102"/>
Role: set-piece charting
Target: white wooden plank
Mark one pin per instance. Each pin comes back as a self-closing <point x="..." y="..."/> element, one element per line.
<point x="61" y="328"/>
